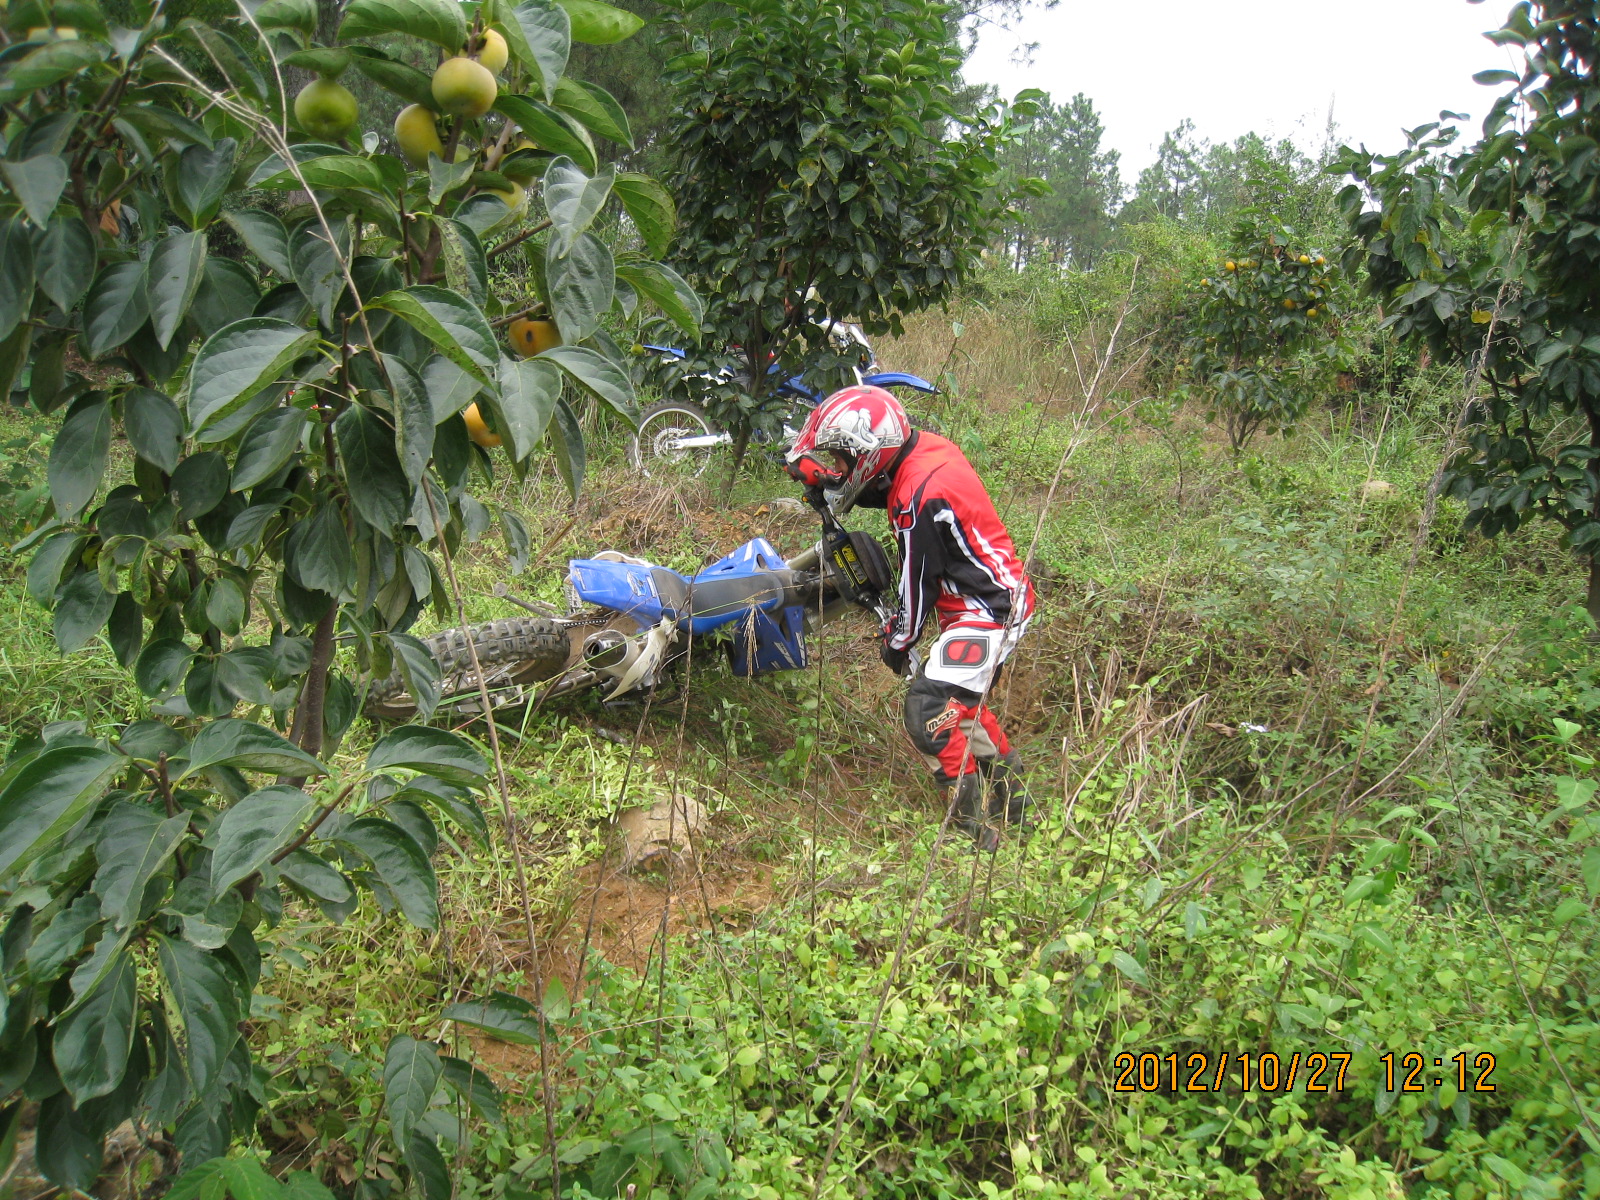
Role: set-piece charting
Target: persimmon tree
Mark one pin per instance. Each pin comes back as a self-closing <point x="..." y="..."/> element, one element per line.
<point x="1487" y="255"/>
<point x="259" y="328"/>
<point x="823" y="168"/>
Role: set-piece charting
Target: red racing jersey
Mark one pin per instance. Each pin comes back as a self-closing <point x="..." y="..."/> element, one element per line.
<point x="956" y="557"/>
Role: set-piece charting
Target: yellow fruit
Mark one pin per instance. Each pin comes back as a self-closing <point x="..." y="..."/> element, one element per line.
<point x="527" y="143"/>
<point x="1205" y="283"/>
<point x="477" y="430"/>
<point x="1305" y="259"/>
<point x="1230" y="265"/>
<point x="1288" y="303"/>
<point x="325" y="109"/>
<point x="1311" y="312"/>
<point x="1321" y="261"/>
<point x="418" y="135"/>
<point x="494" y="53"/>
<point x="514" y="196"/>
<point x="464" y="88"/>
<point x="530" y="337"/>
<point x="45" y="33"/>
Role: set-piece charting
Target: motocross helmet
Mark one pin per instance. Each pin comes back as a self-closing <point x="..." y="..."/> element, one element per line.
<point x="865" y="424"/>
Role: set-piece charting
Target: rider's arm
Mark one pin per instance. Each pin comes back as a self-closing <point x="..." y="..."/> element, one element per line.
<point x="921" y="566"/>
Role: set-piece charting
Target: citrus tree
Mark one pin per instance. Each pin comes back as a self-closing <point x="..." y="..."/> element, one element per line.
<point x="1486" y="255"/>
<point x="823" y="168"/>
<point x="265" y="325"/>
<point x="1262" y="328"/>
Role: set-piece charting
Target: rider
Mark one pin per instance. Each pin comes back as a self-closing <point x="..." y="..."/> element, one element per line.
<point x="957" y="560"/>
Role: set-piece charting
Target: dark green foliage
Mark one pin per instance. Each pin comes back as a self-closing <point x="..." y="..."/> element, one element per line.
<point x="1072" y="224"/>
<point x="815" y="175"/>
<point x="1487" y="256"/>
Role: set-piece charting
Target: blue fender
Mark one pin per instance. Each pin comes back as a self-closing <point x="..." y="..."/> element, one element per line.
<point x="886" y="379"/>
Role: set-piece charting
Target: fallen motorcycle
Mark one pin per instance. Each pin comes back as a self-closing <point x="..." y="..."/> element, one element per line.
<point x="683" y="433"/>
<point x="631" y="621"/>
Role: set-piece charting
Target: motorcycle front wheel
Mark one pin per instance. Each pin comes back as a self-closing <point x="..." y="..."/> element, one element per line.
<point x="513" y="654"/>
<point x="662" y="430"/>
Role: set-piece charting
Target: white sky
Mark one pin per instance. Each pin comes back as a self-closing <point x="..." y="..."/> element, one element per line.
<point x="1269" y="66"/>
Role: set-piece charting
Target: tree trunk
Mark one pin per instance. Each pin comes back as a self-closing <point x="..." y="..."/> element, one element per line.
<point x="1593" y="601"/>
<point x="308" y="714"/>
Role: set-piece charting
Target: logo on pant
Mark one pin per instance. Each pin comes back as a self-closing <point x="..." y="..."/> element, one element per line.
<point x="966" y="652"/>
<point x="944" y="720"/>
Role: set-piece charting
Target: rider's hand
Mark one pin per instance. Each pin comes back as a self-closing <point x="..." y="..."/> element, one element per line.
<point x="895" y="660"/>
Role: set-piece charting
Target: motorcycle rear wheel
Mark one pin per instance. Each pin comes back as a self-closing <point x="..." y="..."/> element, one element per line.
<point x="651" y="447"/>
<point x="513" y="653"/>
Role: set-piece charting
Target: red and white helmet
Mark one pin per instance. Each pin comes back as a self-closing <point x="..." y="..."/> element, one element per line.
<point x="865" y="424"/>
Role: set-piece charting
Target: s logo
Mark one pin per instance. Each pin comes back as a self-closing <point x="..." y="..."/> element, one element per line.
<point x="966" y="652"/>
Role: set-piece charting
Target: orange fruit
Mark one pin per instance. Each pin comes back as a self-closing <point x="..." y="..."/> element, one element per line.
<point x="477" y="430"/>
<point x="529" y="337"/>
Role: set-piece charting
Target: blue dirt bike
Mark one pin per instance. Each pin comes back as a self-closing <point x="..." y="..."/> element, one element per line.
<point x="630" y="621"/>
<point x="680" y="433"/>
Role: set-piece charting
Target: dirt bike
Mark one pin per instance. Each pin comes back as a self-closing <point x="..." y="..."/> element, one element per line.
<point x="631" y="621"/>
<point x="681" y="432"/>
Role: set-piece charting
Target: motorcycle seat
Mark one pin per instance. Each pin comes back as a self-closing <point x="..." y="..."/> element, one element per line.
<point x="706" y="599"/>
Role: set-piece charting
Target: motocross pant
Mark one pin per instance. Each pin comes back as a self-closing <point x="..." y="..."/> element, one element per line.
<point x="946" y="717"/>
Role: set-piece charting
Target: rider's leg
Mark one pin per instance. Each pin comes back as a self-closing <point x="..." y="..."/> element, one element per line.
<point x="938" y="718"/>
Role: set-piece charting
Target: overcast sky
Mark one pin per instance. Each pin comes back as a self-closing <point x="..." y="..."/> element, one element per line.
<point x="1233" y="66"/>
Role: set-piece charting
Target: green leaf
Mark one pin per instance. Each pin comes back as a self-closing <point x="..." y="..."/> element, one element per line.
<point x="253" y="830"/>
<point x="1376" y="937"/>
<point x="47" y="65"/>
<point x="503" y="1016"/>
<point x="118" y="304"/>
<point x="161" y="666"/>
<point x="288" y="14"/>
<point x="1591" y="871"/>
<point x="1493" y="77"/>
<point x="550" y="128"/>
<point x="436" y="752"/>
<point x="668" y="291"/>
<point x="318" y="553"/>
<point x="581" y="285"/>
<point x="329" y="171"/>
<point x="413" y="413"/>
<point x="539" y="35"/>
<point x="47" y="797"/>
<point x="566" y="442"/>
<point x="16" y="275"/>
<point x="327" y="61"/>
<point x="428" y="1166"/>
<point x="573" y="199"/>
<point x="83" y="606"/>
<point x="441" y="22"/>
<point x="317" y="876"/>
<point x="154" y="427"/>
<point x="264" y="236"/>
<point x="1130" y="966"/>
<point x="400" y="863"/>
<point x="372" y="473"/>
<point x="268" y="444"/>
<point x="319" y="267"/>
<point x="476" y="1088"/>
<point x="466" y="266"/>
<point x="51" y="561"/>
<point x="595" y="109"/>
<point x="246" y="746"/>
<point x="597" y="374"/>
<point x="598" y="24"/>
<point x="238" y="361"/>
<point x="452" y="323"/>
<point x="401" y="79"/>
<point x="37" y="183"/>
<point x="1568" y="910"/>
<point x="78" y="458"/>
<point x="528" y="393"/>
<point x="411" y="1071"/>
<point x="64" y="261"/>
<point x="93" y="1042"/>
<point x="207" y="1000"/>
<point x="134" y="844"/>
<point x="202" y="178"/>
<point x="176" y="267"/>
<point x="555" y="1003"/>
<point x="446" y="177"/>
<point x="70" y="1146"/>
<point x="651" y="209"/>
<point x="199" y="484"/>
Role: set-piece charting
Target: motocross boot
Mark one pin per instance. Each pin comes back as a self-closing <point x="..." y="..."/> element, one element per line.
<point x="966" y="797"/>
<point x="1009" y="801"/>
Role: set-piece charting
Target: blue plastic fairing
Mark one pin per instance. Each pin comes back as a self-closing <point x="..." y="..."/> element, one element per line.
<point x="886" y="379"/>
